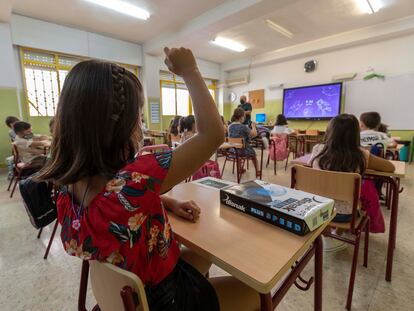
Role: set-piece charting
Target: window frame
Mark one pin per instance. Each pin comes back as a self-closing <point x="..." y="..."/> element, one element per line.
<point x="55" y="67"/>
<point x="174" y="81"/>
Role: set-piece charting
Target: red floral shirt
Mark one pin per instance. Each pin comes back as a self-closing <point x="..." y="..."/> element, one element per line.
<point x="126" y="223"/>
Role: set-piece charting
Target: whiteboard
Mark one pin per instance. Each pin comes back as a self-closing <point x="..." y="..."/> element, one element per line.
<point x="392" y="97"/>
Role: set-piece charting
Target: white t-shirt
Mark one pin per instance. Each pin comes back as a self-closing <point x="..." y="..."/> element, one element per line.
<point x="26" y="153"/>
<point x="371" y="138"/>
<point x="281" y="129"/>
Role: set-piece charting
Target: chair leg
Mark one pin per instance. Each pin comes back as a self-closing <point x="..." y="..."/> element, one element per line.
<point x="51" y="240"/>
<point x="40" y="233"/>
<point x="83" y="286"/>
<point x="14" y="187"/>
<point x="268" y="161"/>
<point x="224" y="165"/>
<point x="287" y="161"/>
<point x="247" y="164"/>
<point x="366" y="243"/>
<point x="353" y="272"/>
<point x="275" y="166"/>
<point x="10" y="183"/>
<point x="234" y="163"/>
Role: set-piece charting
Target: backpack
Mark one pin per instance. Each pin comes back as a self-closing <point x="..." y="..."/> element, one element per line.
<point x="209" y="169"/>
<point x="38" y="202"/>
<point x="280" y="142"/>
<point x="370" y="204"/>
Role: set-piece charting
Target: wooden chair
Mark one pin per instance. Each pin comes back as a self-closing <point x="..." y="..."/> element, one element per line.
<point x="275" y="141"/>
<point x="312" y="138"/>
<point x="153" y="149"/>
<point x="116" y="289"/>
<point x="19" y="170"/>
<point x="343" y="187"/>
<point x="233" y="155"/>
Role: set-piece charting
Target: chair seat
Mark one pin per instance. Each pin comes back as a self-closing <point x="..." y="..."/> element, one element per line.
<point x="347" y="225"/>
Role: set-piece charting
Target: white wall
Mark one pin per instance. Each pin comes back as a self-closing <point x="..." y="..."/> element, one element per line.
<point x="7" y="61"/>
<point x="34" y="33"/>
<point x="391" y="57"/>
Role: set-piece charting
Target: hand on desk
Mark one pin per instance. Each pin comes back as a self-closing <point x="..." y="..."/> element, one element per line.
<point x="186" y="209"/>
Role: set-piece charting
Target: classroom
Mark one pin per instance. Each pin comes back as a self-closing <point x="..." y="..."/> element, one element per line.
<point x="233" y="155"/>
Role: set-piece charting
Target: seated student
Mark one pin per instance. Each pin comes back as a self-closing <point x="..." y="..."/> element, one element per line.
<point x="187" y="128"/>
<point x="281" y="126"/>
<point x="10" y="121"/>
<point x="174" y="130"/>
<point x="237" y="129"/>
<point x="341" y="152"/>
<point x="370" y="135"/>
<point x="111" y="208"/>
<point x="30" y="147"/>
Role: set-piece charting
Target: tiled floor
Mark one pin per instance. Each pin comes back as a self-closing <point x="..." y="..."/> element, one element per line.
<point x="28" y="282"/>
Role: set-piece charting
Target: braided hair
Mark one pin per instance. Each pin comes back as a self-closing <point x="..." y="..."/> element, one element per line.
<point x="98" y="123"/>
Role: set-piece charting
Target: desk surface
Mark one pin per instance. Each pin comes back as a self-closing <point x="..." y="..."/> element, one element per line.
<point x="399" y="167"/>
<point x="253" y="251"/>
<point x="399" y="170"/>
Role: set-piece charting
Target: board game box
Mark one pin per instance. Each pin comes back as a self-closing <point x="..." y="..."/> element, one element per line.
<point x="293" y="210"/>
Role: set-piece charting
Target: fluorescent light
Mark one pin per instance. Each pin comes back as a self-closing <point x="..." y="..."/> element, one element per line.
<point x="229" y="44"/>
<point x="369" y="6"/>
<point x="122" y="7"/>
<point x="279" y="29"/>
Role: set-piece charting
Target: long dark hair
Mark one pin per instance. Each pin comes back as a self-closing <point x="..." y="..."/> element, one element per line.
<point x="281" y="120"/>
<point x="174" y="125"/>
<point x="97" y="125"/>
<point x="238" y="113"/>
<point x="187" y="123"/>
<point x="342" y="151"/>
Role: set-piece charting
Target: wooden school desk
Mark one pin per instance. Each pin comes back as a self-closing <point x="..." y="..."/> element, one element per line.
<point x="256" y="253"/>
<point x="394" y="180"/>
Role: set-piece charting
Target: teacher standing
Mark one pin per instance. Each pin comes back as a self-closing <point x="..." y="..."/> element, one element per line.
<point x="247" y="107"/>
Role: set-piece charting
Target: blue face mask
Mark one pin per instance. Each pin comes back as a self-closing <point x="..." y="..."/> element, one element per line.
<point x="28" y="136"/>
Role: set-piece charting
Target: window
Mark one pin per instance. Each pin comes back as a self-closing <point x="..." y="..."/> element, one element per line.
<point x="175" y="97"/>
<point x="44" y="74"/>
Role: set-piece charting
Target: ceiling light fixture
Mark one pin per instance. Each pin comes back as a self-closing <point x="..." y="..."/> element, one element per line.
<point x="229" y="44"/>
<point x="370" y="6"/>
<point x="123" y="7"/>
<point x="279" y="29"/>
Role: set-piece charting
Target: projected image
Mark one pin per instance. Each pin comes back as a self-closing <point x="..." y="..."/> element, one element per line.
<point x="313" y="102"/>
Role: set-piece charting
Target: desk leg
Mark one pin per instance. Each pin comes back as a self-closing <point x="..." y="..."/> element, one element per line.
<point x="393" y="227"/>
<point x="318" y="274"/>
<point x="266" y="303"/>
<point x="261" y="162"/>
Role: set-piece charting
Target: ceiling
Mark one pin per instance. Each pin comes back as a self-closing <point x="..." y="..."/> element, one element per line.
<point x="193" y="23"/>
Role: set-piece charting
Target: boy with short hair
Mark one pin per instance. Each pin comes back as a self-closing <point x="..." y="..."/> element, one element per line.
<point x="369" y="123"/>
<point x="10" y="121"/>
<point x="30" y="147"/>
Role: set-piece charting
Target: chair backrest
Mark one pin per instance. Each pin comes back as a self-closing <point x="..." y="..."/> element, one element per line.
<point x="153" y="149"/>
<point x="108" y="281"/>
<point x="311" y="132"/>
<point x="339" y="186"/>
<point x="279" y="147"/>
<point x="15" y="152"/>
<point x="235" y="140"/>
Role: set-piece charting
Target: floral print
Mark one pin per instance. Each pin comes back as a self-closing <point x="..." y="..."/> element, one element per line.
<point x="125" y="224"/>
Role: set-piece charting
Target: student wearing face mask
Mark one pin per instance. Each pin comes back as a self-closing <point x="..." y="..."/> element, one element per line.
<point x="30" y="147"/>
<point x="247" y="107"/>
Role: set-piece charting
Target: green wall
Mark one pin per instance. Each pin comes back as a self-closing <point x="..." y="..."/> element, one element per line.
<point x="9" y="107"/>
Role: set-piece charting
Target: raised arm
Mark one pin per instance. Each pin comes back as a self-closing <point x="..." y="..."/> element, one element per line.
<point x="193" y="153"/>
